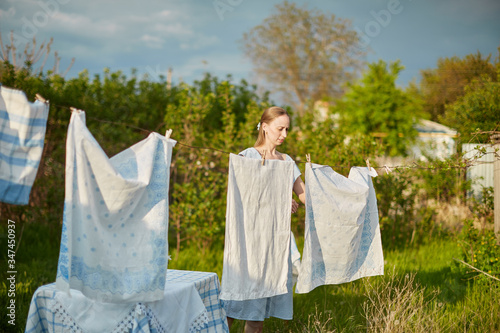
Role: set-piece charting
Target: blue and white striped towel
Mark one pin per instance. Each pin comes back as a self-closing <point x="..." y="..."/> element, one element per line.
<point x="22" y="134"/>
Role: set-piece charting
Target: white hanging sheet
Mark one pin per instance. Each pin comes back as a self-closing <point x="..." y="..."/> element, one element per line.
<point x="22" y="135"/>
<point x="257" y="241"/>
<point x="342" y="237"/>
<point x="114" y="245"/>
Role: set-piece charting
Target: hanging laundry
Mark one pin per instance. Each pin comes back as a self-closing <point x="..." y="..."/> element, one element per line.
<point x="295" y="256"/>
<point x="258" y="216"/>
<point x="114" y="244"/>
<point x="342" y="238"/>
<point x="22" y="135"/>
<point x="370" y="258"/>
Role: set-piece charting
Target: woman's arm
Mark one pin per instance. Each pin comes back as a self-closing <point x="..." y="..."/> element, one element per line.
<point x="300" y="189"/>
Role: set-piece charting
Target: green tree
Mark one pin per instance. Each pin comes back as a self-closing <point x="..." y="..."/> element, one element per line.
<point x="375" y="106"/>
<point x="477" y="110"/>
<point x="306" y="54"/>
<point x="445" y="84"/>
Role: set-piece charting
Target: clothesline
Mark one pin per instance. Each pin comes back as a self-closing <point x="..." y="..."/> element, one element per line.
<point x="387" y="168"/>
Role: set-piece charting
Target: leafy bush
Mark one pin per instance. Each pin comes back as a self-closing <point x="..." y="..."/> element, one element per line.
<point x="479" y="249"/>
<point x="479" y="244"/>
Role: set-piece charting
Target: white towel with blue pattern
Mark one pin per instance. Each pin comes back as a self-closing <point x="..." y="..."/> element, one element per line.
<point x="114" y="245"/>
<point x="258" y="237"/>
<point x="342" y="238"/>
<point x="22" y="135"/>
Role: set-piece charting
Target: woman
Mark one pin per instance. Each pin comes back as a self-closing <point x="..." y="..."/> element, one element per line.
<point x="273" y="130"/>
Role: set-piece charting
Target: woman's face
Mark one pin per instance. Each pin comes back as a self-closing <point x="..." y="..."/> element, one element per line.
<point x="277" y="130"/>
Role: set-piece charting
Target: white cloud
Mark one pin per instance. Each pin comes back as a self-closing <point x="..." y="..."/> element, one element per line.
<point x="218" y="64"/>
<point x="4" y="14"/>
<point x="165" y="14"/>
<point x="174" y="29"/>
<point x="151" y="17"/>
<point x="81" y="25"/>
<point x="184" y="34"/>
<point x="199" y="42"/>
<point x="152" y="41"/>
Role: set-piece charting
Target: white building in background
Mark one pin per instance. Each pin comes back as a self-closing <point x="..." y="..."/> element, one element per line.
<point x="322" y="112"/>
<point x="482" y="171"/>
<point x="434" y="141"/>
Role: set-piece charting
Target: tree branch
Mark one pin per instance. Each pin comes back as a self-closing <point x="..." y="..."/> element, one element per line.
<point x="476" y="269"/>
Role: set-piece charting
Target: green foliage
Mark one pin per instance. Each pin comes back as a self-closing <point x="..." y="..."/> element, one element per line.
<point x="477" y="110"/>
<point x="409" y="199"/>
<point x="329" y="145"/>
<point x="442" y="180"/>
<point x="396" y="197"/>
<point x="481" y="251"/>
<point x="445" y="84"/>
<point x="484" y="208"/>
<point x="375" y="106"/>
<point x="479" y="244"/>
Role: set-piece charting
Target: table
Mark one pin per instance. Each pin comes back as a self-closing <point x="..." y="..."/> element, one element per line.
<point x="191" y="303"/>
<point x="208" y="287"/>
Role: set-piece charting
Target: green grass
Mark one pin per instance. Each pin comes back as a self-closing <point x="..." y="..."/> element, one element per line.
<point x="423" y="288"/>
<point x="36" y="265"/>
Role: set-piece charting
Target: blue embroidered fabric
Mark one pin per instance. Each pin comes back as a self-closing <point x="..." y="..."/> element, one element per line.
<point x="114" y="244"/>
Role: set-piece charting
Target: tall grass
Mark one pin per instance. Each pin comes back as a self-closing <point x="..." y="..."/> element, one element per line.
<point x="400" y="304"/>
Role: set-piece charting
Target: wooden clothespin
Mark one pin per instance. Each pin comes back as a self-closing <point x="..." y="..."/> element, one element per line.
<point x="168" y="133"/>
<point x="263" y="157"/>
<point x="308" y="158"/>
<point x="368" y="164"/>
<point x="40" y="98"/>
<point x="388" y="170"/>
<point x="75" y="109"/>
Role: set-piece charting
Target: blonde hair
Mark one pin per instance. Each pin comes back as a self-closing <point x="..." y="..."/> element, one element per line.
<point x="267" y="117"/>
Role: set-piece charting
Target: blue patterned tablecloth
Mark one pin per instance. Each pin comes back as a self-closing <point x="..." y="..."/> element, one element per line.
<point x="46" y="314"/>
<point x="208" y="287"/>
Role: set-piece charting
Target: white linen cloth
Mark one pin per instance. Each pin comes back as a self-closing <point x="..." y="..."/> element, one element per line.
<point x="342" y="238"/>
<point x="180" y="311"/>
<point x="22" y="135"/>
<point x="114" y="245"/>
<point x="257" y="240"/>
<point x="252" y="152"/>
<point x="91" y="316"/>
<point x="370" y="259"/>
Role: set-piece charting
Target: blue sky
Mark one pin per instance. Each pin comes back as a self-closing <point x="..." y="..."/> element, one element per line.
<point x="193" y="37"/>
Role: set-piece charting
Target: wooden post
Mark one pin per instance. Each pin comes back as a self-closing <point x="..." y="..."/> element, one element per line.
<point x="496" y="183"/>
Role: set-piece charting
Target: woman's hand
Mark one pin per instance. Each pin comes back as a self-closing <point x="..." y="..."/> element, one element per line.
<point x="295" y="206"/>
